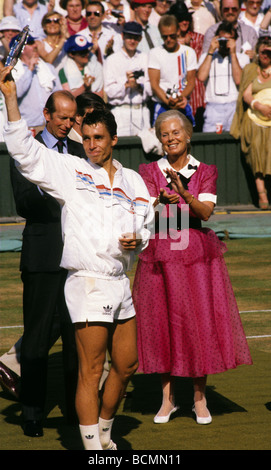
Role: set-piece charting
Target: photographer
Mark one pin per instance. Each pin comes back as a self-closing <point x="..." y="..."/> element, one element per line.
<point x="126" y="83"/>
<point x="221" y="70"/>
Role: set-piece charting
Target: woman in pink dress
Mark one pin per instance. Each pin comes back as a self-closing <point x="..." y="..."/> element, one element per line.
<point x="187" y="316"/>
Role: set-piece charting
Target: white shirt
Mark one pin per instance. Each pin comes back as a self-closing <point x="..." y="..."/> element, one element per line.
<point x="220" y="86"/>
<point x="94" y="214"/>
<point x="173" y="66"/>
<point x="256" y="25"/>
<point x="115" y="68"/>
<point x="105" y="35"/>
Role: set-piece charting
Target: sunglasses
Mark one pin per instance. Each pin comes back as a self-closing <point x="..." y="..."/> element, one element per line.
<point x="94" y="13"/>
<point x="265" y="52"/>
<point x="233" y="9"/>
<point x="171" y="36"/>
<point x="51" y="20"/>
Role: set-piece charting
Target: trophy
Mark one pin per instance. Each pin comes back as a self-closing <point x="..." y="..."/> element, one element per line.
<point x="17" y="47"/>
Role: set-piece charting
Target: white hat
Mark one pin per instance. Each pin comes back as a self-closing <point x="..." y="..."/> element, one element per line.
<point x="10" y="22"/>
<point x="264" y="97"/>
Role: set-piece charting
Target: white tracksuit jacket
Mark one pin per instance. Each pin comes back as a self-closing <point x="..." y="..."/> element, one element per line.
<point x="94" y="214"/>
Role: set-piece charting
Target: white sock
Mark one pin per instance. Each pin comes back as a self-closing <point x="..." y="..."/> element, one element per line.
<point x="90" y="437"/>
<point x="105" y="426"/>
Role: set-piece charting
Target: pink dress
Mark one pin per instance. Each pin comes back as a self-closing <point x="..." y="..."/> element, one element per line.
<point x="188" y="321"/>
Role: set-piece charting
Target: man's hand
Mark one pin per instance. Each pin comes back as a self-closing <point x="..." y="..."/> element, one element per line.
<point x="8" y="88"/>
<point x="129" y="241"/>
<point x="7" y="84"/>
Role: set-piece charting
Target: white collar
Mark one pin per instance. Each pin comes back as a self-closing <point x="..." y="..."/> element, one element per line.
<point x="163" y="164"/>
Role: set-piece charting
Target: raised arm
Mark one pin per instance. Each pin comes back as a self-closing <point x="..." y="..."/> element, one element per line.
<point x="8" y="88"/>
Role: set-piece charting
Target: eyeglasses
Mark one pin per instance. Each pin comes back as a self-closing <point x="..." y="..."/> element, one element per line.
<point x="94" y="13"/>
<point x="51" y="20"/>
<point x="171" y="36"/>
<point x="252" y="2"/>
<point x="233" y="9"/>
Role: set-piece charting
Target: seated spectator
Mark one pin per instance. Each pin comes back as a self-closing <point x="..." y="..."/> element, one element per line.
<point x="246" y="36"/>
<point x="160" y="8"/>
<point x="81" y="72"/>
<point x="126" y="92"/>
<point x="265" y="26"/>
<point x="31" y="12"/>
<point x="204" y="14"/>
<point x="252" y="15"/>
<point x="35" y="81"/>
<point x="221" y="70"/>
<point x="172" y="70"/>
<point x="51" y="47"/>
<point x="151" y="36"/>
<point x="105" y="39"/>
<point x="188" y="37"/>
<point x="9" y="27"/>
<point x="75" y="20"/>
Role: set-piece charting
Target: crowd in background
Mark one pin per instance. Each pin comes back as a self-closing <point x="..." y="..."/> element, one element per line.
<point x="133" y="55"/>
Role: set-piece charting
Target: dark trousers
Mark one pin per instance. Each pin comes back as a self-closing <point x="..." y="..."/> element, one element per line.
<point x="46" y="317"/>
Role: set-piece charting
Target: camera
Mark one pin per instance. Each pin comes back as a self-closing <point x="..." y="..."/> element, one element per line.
<point x="116" y="13"/>
<point x="223" y="44"/>
<point x="138" y="73"/>
<point x="173" y="92"/>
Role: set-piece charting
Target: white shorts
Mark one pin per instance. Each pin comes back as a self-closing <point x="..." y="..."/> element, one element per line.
<point x="92" y="299"/>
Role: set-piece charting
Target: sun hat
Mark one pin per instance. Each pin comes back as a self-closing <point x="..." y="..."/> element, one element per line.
<point x="264" y="97"/>
<point x="10" y="22"/>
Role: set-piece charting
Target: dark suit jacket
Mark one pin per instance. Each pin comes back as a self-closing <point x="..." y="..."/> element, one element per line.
<point x="42" y="239"/>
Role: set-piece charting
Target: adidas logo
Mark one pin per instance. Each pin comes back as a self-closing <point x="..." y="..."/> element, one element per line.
<point x="107" y="310"/>
<point x="105" y="429"/>
<point x="89" y="436"/>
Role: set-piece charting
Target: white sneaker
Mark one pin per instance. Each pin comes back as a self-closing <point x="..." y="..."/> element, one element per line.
<point x="111" y="446"/>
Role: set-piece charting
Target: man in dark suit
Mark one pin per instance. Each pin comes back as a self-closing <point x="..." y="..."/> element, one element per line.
<point x="44" y="306"/>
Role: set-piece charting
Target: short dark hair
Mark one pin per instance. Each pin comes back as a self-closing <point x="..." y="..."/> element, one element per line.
<point x="239" y="3"/>
<point x="89" y="100"/>
<point x="226" y="27"/>
<point x="63" y="4"/>
<point x="50" y="103"/>
<point x="97" y="3"/>
<point x="104" y="117"/>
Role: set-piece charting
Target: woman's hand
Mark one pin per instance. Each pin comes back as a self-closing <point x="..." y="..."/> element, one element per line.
<point x="166" y="198"/>
<point x="264" y="109"/>
<point x="175" y="181"/>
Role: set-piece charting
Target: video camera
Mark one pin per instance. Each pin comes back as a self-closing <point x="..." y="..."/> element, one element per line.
<point x="138" y="73"/>
<point x="117" y="13"/>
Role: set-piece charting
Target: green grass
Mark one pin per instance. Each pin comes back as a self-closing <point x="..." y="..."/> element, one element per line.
<point x="239" y="400"/>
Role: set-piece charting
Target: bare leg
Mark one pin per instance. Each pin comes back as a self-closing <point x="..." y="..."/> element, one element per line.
<point x="262" y="193"/>
<point x="124" y="364"/>
<point x="199" y="396"/>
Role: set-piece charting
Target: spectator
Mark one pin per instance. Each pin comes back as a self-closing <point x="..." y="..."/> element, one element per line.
<point x="117" y="12"/>
<point x="31" y="12"/>
<point x="265" y="26"/>
<point x="246" y="36"/>
<point x="105" y="39"/>
<point x="160" y="8"/>
<point x="51" y="47"/>
<point x="81" y="72"/>
<point x="127" y="93"/>
<point x="188" y="37"/>
<point x="252" y="15"/>
<point x="75" y="20"/>
<point x="151" y="36"/>
<point x="266" y="5"/>
<point x="9" y="28"/>
<point x="172" y="70"/>
<point x="204" y="14"/>
<point x="35" y="81"/>
<point x="43" y="279"/>
<point x="221" y="70"/>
